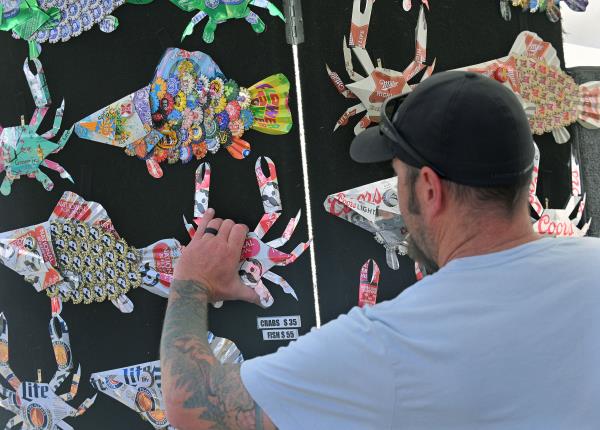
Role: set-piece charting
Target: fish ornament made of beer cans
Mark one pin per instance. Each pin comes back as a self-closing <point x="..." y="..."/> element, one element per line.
<point x="57" y="20"/>
<point x="188" y="110"/>
<point x="77" y="256"/>
<point x="258" y="257"/>
<point x="551" y="7"/>
<point x="22" y="150"/>
<point x="219" y="11"/>
<point x="374" y="207"/>
<point x="139" y="386"/>
<point x="551" y="98"/>
<point x="35" y="405"/>
<point x="558" y="222"/>
<point x="380" y="83"/>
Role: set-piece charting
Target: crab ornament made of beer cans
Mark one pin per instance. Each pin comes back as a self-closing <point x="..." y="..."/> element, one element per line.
<point x="35" y="404"/>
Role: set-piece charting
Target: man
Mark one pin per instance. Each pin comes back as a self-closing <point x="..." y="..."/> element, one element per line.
<point x="506" y="335"/>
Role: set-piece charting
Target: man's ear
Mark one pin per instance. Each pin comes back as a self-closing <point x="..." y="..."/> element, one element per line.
<point x="431" y="192"/>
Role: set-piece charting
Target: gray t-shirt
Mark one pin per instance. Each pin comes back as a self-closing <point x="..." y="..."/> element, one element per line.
<point x="508" y="340"/>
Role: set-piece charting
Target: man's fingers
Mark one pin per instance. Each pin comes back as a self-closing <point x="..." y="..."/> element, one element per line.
<point x="225" y="229"/>
<point x="215" y="224"/>
<point x="237" y="236"/>
<point x="208" y="216"/>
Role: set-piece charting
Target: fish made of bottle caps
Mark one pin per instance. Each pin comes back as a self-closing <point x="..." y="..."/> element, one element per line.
<point x="190" y="109"/>
<point x="77" y="256"/>
<point x="57" y="20"/>
<point x="139" y="387"/>
<point x="550" y="97"/>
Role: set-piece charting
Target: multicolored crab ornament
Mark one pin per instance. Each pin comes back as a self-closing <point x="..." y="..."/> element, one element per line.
<point x="380" y="83"/>
<point x="219" y="11"/>
<point x="258" y="257"/>
<point x="139" y="387"/>
<point x="77" y="256"/>
<point x="551" y="7"/>
<point x="57" y="20"/>
<point x="551" y="98"/>
<point x="36" y="405"/>
<point x="188" y="110"/>
<point x="22" y="150"/>
<point x="558" y="222"/>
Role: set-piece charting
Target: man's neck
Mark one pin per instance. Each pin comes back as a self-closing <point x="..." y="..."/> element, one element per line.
<point x="466" y="237"/>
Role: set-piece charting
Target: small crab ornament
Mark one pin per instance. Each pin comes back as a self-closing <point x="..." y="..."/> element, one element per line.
<point x="78" y="256"/>
<point x="558" y="222"/>
<point x="219" y="11"/>
<point x="374" y="207"/>
<point x="22" y="150"/>
<point x="139" y="387"/>
<point x="258" y="257"/>
<point x="551" y="7"/>
<point x="550" y="97"/>
<point x="55" y="21"/>
<point x="380" y="83"/>
<point x="36" y="405"/>
<point x="189" y="110"/>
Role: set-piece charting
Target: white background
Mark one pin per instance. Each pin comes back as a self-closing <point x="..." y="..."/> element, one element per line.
<point x="582" y="35"/>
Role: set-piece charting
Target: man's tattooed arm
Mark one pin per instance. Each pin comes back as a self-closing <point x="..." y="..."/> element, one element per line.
<point x="200" y="392"/>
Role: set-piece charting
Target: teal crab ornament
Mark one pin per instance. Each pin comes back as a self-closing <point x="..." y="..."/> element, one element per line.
<point x="22" y="150"/>
<point x="219" y="11"/>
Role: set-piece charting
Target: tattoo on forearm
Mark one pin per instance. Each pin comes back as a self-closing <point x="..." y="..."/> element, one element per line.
<point x="216" y="391"/>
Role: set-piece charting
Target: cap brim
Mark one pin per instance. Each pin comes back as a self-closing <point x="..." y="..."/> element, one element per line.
<point x="371" y="146"/>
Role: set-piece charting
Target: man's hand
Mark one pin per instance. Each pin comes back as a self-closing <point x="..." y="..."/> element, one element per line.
<point x="213" y="260"/>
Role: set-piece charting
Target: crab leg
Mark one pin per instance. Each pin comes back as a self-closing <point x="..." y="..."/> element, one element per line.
<point x="61" y="425"/>
<point x="265" y="224"/>
<point x="85" y="405"/>
<point x="63" y="139"/>
<point x="276" y="279"/>
<point x="350" y="112"/>
<point x="58" y="116"/>
<point x="254" y="20"/>
<point x="202" y="190"/>
<point x="5" y="369"/>
<point x="189" y="29"/>
<point x="429" y="70"/>
<point x="418" y="62"/>
<point x="287" y="233"/>
<point x="268" y="186"/>
<point x="53" y="165"/>
<point x="266" y="299"/>
<point x="266" y="4"/>
<point x="74" y="386"/>
<point x="62" y="351"/>
<point x="359" y="25"/>
<point x="6" y="185"/>
<point x="364" y="122"/>
<point x="292" y="256"/>
<point x="209" y="30"/>
<point x="13" y="421"/>
<point x="348" y="62"/>
<point x="37" y="117"/>
<point x="9" y="400"/>
<point x="579" y="211"/>
<point x="44" y="180"/>
<point x="339" y="84"/>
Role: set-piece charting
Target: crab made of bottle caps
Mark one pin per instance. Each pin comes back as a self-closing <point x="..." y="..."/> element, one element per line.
<point x="558" y="222"/>
<point x="219" y="11"/>
<point x="22" y="150"/>
<point x="257" y="257"/>
<point x="380" y="83"/>
<point x="35" y="404"/>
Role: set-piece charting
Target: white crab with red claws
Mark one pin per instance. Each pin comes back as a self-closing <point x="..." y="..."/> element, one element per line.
<point x="257" y="257"/>
<point x="557" y="222"/>
<point x="34" y="404"/>
<point x="380" y="83"/>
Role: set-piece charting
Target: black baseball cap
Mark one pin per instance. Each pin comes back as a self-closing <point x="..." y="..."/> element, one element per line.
<point x="467" y="127"/>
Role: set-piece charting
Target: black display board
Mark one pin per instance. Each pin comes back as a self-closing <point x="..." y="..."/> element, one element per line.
<point x="95" y="69"/>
